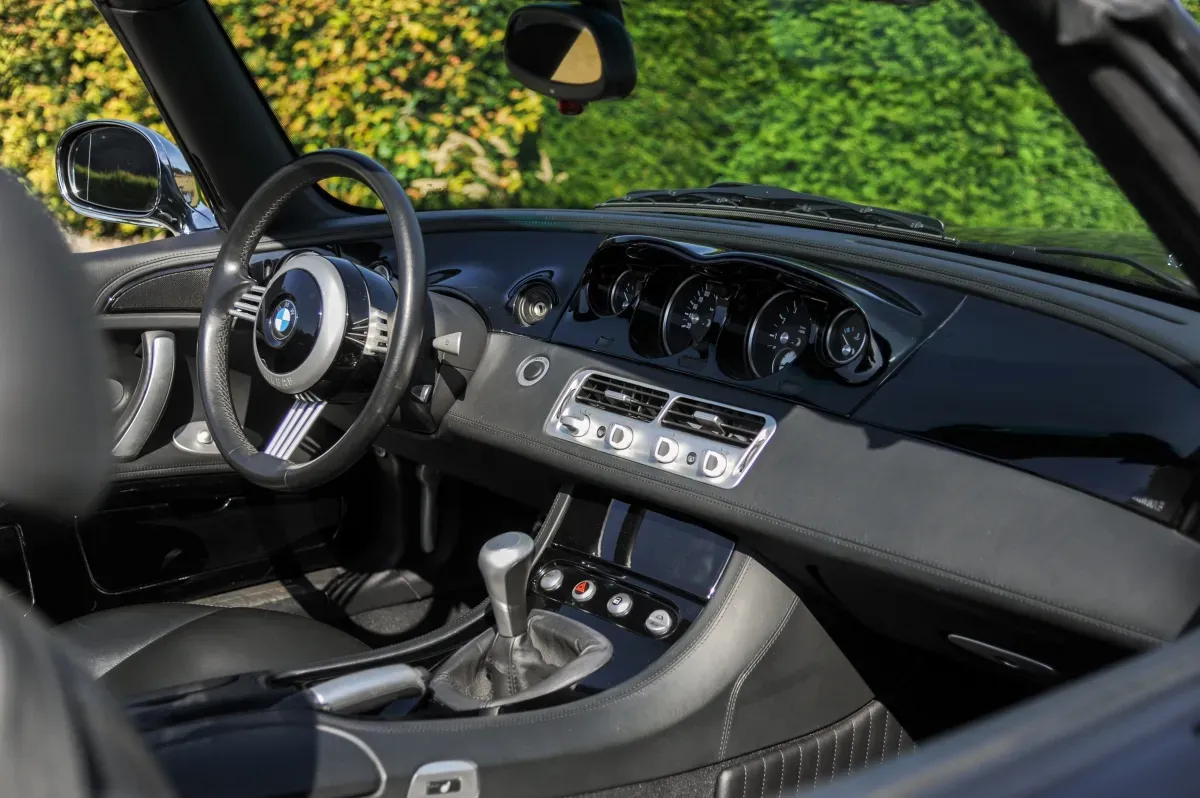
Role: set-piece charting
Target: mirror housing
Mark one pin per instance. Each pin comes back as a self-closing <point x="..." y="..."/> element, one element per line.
<point x="578" y="53"/>
<point x="121" y="172"/>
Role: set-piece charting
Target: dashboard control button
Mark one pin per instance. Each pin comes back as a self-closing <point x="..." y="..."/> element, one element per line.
<point x="620" y="436"/>
<point x="659" y="623"/>
<point x="691" y="458"/>
<point x="600" y="430"/>
<point x="583" y="590"/>
<point x="551" y="580"/>
<point x="714" y="464"/>
<point x="576" y="425"/>
<point x="532" y="370"/>
<point x="620" y="605"/>
<point x="666" y="450"/>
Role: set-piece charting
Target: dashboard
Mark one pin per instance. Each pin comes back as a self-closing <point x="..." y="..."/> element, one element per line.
<point x="912" y="427"/>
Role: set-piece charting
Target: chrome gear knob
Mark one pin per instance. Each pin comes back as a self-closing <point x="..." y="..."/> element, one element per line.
<point x="505" y="562"/>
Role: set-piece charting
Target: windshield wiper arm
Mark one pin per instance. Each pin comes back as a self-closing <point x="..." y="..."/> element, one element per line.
<point x="781" y="202"/>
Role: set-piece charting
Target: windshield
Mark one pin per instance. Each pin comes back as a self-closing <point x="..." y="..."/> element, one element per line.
<point x="919" y="106"/>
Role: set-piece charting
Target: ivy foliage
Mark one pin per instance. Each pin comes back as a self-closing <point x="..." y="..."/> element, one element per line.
<point x="925" y="107"/>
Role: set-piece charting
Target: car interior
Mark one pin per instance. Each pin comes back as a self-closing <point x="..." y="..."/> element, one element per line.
<point x="621" y="501"/>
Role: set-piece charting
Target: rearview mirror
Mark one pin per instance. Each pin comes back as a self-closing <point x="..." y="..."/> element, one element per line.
<point x="120" y="172"/>
<point x="579" y="53"/>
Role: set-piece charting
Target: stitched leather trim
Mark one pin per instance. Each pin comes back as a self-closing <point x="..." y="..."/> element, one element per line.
<point x="737" y="687"/>
<point x="626" y="471"/>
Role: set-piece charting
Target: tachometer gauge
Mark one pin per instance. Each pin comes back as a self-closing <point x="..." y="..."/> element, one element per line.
<point x="846" y="337"/>
<point x="689" y="315"/>
<point x="624" y="292"/>
<point x="778" y="334"/>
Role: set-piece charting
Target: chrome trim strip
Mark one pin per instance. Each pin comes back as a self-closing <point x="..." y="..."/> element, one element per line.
<point x="160" y="373"/>
<point x="329" y="336"/>
<point x="295" y="425"/>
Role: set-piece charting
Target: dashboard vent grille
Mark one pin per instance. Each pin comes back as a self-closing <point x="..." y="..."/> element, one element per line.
<point x="618" y="396"/>
<point x="717" y="422"/>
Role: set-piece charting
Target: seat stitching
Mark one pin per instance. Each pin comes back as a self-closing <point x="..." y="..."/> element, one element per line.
<point x="737" y="687"/>
<point x="883" y="747"/>
<point x="853" y="734"/>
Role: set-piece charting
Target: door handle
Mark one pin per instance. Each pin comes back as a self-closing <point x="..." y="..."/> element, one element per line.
<point x="149" y="398"/>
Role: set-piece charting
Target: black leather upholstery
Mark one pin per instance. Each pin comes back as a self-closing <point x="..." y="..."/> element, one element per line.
<point x="870" y="736"/>
<point x="149" y="646"/>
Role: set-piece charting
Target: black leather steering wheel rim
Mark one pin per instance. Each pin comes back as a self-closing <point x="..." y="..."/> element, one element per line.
<point x="231" y="278"/>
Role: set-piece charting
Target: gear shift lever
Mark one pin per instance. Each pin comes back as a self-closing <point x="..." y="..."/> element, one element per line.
<point x="530" y="655"/>
<point x="505" y="562"/>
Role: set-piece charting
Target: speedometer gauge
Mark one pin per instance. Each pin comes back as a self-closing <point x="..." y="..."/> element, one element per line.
<point x="778" y="334"/>
<point x="689" y="315"/>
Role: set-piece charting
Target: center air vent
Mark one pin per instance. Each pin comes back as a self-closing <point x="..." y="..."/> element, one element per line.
<point x="715" y="422"/>
<point x="618" y="396"/>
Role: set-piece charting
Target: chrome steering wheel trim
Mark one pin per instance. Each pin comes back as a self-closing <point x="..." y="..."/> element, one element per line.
<point x="333" y="311"/>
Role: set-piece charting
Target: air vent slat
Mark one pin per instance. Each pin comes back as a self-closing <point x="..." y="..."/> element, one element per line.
<point x="715" y="422"/>
<point x="618" y="396"/>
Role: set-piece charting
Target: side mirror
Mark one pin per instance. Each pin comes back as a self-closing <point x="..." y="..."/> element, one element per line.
<point x="121" y="172"/>
<point x="578" y="53"/>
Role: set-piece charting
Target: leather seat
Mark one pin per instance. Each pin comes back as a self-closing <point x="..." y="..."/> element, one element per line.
<point x="145" y="647"/>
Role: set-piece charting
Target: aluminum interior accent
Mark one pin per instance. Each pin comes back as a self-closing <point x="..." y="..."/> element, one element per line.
<point x="329" y="336"/>
<point x="540" y="359"/>
<point x="646" y="434"/>
<point x="362" y="691"/>
<point x="457" y="778"/>
<point x="378" y="331"/>
<point x="300" y="417"/>
<point x="158" y="372"/>
<point x="195" y="438"/>
<point x="248" y="306"/>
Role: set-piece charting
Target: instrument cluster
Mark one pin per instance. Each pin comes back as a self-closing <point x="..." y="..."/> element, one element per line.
<point x="754" y="321"/>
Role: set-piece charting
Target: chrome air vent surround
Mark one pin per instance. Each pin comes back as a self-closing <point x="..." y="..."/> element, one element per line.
<point x="621" y="396"/>
<point x="684" y="435"/>
<point x="713" y="421"/>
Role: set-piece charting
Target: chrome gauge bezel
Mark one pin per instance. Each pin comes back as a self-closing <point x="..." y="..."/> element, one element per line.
<point x="827" y="349"/>
<point x="612" y="292"/>
<point x="666" y="313"/>
<point x="753" y="331"/>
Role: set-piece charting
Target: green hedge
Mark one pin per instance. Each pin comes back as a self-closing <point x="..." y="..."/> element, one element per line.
<point x="927" y="108"/>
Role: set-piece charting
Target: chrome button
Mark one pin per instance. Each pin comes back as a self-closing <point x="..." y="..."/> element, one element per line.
<point x="620" y="436"/>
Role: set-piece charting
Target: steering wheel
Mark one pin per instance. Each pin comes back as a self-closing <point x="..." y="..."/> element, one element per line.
<point x="325" y="330"/>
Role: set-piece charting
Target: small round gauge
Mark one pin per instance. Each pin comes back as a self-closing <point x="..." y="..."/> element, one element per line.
<point x="689" y="315"/>
<point x="624" y="292"/>
<point x="846" y="337"/>
<point x="778" y="334"/>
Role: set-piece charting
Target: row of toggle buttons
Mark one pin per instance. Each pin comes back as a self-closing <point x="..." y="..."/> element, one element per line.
<point x="666" y="450"/>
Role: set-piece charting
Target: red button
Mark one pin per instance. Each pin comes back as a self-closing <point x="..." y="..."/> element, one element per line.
<point x="584" y="590"/>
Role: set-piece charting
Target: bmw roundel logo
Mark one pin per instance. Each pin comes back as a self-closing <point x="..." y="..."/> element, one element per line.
<point x="283" y="320"/>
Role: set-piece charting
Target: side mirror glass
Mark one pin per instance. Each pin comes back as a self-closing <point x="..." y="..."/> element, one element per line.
<point x="580" y="53"/>
<point x="121" y="172"/>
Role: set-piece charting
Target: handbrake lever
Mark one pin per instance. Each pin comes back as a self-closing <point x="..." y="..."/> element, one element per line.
<point x="366" y="690"/>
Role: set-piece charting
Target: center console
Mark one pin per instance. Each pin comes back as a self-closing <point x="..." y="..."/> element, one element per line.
<point x="621" y="645"/>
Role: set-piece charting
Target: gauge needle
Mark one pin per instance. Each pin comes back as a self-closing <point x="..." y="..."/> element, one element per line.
<point x="847" y="340"/>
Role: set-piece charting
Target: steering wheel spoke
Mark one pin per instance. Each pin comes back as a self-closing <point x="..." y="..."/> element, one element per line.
<point x="247" y="307"/>
<point x="295" y="425"/>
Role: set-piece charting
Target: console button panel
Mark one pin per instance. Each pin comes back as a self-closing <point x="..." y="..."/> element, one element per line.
<point x="690" y="437"/>
<point x="603" y="596"/>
